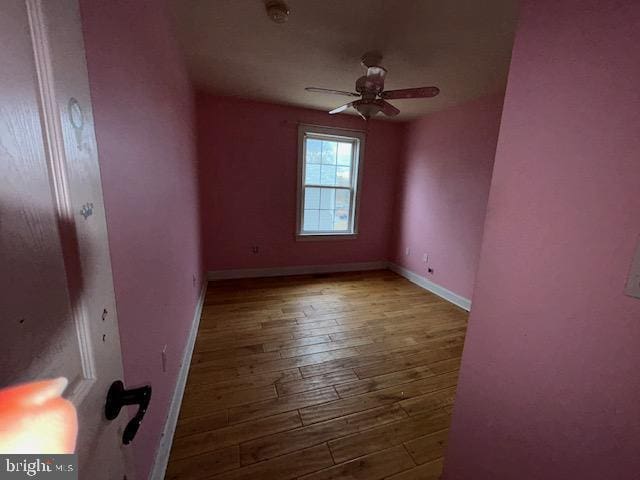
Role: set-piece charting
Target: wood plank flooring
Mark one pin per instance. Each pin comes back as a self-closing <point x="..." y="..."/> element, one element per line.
<point x="340" y="376"/>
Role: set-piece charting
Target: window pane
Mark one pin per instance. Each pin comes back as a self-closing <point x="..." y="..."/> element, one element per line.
<point x="329" y="150"/>
<point x="326" y="220"/>
<point x="328" y="175"/>
<point x="343" y="176"/>
<point x="341" y="219"/>
<point x="312" y="174"/>
<point x="310" y="220"/>
<point x="314" y="150"/>
<point x="329" y="182"/>
<point x="344" y="154"/>
<point x="311" y="198"/>
<point x="343" y="199"/>
<point x="327" y="198"/>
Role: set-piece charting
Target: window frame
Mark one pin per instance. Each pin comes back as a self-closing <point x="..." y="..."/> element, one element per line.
<point x="357" y="137"/>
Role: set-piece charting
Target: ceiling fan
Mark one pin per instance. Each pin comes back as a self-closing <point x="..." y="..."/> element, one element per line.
<point x="370" y="88"/>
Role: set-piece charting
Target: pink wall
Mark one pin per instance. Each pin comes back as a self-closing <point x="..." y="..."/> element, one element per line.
<point x="144" y="124"/>
<point x="442" y="193"/>
<point x="248" y="153"/>
<point x="550" y="386"/>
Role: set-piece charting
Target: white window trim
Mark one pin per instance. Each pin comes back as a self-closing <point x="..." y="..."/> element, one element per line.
<point x="303" y="129"/>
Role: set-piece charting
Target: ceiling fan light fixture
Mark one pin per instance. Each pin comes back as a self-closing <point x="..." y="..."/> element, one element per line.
<point x="368" y="110"/>
<point x="278" y="11"/>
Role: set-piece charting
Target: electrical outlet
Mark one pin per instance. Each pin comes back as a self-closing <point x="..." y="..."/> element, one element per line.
<point x="633" y="282"/>
<point x="164" y="358"/>
<point x="425" y="258"/>
<point x="407" y="252"/>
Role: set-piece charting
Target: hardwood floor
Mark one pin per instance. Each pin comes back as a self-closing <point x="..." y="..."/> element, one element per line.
<point x="319" y="377"/>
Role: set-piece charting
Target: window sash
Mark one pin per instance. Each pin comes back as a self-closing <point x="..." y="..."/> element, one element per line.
<point x="349" y="229"/>
<point x="355" y="145"/>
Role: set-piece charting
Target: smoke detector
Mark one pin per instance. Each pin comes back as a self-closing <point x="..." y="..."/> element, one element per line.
<point x="277" y="11"/>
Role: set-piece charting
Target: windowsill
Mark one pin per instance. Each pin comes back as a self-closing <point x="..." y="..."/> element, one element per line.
<point x="320" y="237"/>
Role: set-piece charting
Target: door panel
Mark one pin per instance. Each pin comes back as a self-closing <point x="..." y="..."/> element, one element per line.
<point x="56" y="288"/>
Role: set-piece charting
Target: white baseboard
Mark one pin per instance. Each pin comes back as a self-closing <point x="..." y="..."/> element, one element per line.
<point x="343" y="267"/>
<point x="431" y="286"/>
<point x="298" y="270"/>
<point x="162" y="455"/>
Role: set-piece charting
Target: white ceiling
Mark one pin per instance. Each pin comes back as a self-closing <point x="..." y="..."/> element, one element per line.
<point x="461" y="46"/>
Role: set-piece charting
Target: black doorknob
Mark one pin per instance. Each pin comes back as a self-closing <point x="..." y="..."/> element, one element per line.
<point x="117" y="397"/>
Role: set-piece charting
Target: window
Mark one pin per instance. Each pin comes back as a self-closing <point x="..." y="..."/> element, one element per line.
<point x="329" y="166"/>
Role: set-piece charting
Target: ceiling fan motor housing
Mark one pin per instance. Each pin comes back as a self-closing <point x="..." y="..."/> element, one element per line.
<point x="368" y="87"/>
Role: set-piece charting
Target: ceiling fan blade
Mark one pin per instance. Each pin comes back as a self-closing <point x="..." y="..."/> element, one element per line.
<point x="340" y="109"/>
<point x="423" y="92"/>
<point x="388" y="109"/>
<point x="328" y="90"/>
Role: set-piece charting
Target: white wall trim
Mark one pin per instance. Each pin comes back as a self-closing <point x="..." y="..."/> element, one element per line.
<point x="297" y="270"/>
<point x="431" y="286"/>
<point x="162" y="455"/>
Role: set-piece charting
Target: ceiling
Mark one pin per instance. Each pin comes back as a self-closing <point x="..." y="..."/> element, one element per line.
<point x="461" y="46"/>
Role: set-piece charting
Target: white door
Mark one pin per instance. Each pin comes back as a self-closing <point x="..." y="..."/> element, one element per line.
<point x="57" y="307"/>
